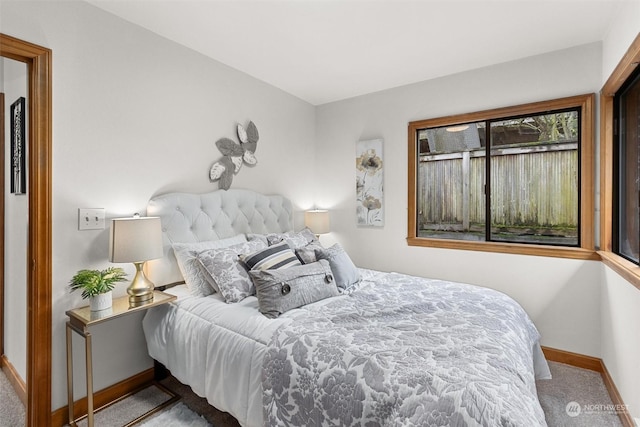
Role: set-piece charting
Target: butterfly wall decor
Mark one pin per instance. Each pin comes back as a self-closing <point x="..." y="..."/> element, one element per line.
<point x="234" y="155"/>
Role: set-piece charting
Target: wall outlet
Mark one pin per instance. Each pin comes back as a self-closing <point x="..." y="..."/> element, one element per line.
<point x="91" y="219"/>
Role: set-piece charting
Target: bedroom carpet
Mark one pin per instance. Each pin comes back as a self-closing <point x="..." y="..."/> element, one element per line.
<point x="585" y="388"/>
<point x="129" y="409"/>
<point x="177" y="415"/>
<point x="569" y="384"/>
<point x="11" y="408"/>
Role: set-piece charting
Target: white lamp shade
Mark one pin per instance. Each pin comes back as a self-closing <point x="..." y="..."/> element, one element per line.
<point x="317" y="220"/>
<point x="135" y="239"/>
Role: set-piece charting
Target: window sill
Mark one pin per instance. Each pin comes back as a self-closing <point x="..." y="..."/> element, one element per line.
<point x="625" y="268"/>
<point x="507" y="248"/>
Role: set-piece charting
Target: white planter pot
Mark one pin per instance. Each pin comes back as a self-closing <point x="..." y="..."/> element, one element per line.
<point x="101" y="301"/>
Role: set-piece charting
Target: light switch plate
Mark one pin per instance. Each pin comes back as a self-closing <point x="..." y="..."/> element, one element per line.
<point x="91" y="218"/>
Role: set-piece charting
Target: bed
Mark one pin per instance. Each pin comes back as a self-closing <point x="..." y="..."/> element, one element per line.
<point x="392" y="349"/>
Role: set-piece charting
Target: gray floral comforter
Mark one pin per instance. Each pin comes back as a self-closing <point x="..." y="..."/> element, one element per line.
<point x="405" y="351"/>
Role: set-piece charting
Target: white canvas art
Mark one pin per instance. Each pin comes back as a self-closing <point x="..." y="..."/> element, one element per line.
<point x="369" y="183"/>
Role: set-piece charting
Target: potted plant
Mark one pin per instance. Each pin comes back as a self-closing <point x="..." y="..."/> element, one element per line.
<point x="96" y="285"/>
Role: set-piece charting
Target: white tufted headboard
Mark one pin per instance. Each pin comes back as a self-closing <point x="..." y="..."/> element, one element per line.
<point x="189" y="218"/>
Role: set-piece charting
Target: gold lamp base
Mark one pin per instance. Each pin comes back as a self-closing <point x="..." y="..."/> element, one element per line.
<point x="141" y="289"/>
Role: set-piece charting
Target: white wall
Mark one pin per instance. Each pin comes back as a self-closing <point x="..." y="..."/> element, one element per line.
<point x="15" y="231"/>
<point x="135" y="115"/>
<point x="622" y="31"/>
<point x="561" y="295"/>
<point x="620" y="338"/>
<point x="620" y="316"/>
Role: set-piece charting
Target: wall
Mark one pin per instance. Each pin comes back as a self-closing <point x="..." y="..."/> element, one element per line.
<point x="134" y="116"/>
<point x="620" y="339"/>
<point x="15" y="231"/>
<point x="620" y="300"/>
<point x="622" y="31"/>
<point x="561" y="295"/>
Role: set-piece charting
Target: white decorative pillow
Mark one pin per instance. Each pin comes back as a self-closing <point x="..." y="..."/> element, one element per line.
<point x="223" y="266"/>
<point x="186" y="255"/>
<point x="344" y="270"/>
<point x="271" y="258"/>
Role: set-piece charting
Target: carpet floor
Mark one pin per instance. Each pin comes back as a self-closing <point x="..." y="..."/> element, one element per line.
<point x="131" y="408"/>
<point x="12" y="412"/>
<point x="574" y="397"/>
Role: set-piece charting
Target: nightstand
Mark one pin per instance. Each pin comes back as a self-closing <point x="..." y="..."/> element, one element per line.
<point x="80" y="320"/>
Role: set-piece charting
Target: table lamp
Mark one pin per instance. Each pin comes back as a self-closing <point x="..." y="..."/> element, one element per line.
<point x="136" y="240"/>
<point x="317" y="220"/>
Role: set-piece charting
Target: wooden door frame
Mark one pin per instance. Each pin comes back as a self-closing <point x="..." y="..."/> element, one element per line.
<point x="2" y="172"/>
<point x="39" y="292"/>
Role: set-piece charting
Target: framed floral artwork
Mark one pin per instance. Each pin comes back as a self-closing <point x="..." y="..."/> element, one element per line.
<point x="369" y="183"/>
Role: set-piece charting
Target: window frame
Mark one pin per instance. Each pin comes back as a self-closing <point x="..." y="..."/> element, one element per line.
<point x="586" y="248"/>
<point x="627" y="269"/>
<point x="618" y="184"/>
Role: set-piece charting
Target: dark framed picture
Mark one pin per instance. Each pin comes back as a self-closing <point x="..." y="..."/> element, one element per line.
<point x="18" y="146"/>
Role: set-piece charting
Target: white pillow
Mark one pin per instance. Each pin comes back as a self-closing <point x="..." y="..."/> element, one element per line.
<point x="186" y="255"/>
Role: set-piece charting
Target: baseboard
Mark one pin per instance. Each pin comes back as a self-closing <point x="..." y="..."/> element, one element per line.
<point x="19" y="386"/>
<point x="625" y="417"/>
<point x="592" y="364"/>
<point x="60" y="417"/>
<point x="573" y="359"/>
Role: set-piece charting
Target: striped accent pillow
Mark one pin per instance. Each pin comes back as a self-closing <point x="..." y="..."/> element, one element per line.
<point x="272" y="258"/>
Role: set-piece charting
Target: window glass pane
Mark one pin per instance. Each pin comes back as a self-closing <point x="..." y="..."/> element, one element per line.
<point x="534" y="179"/>
<point x="451" y="178"/>
<point x="628" y="174"/>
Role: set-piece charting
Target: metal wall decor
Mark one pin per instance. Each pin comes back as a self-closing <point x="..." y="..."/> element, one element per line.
<point x="18" y="147"/>
<point x="234" y="155"/>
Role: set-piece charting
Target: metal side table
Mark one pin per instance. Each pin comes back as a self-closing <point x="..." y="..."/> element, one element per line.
<point x="80" y="320"/>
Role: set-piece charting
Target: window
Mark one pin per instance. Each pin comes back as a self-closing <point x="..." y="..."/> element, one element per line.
<point x="516" y="179"/>
<point x="618" y="248"/>
<point x="627" y="170"/>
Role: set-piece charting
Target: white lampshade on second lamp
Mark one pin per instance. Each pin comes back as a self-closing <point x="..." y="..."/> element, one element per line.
<point x="136" y="240"/>
<point x="317" y="220"/>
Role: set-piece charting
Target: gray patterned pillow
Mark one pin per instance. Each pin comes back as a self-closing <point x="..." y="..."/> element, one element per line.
<point x="295" y="240"/>
<point x="252" y="236"/>
<point x="307" y="254"/>
<point x="344" y="270"/>
<point x="186" y="255"/>
<point x="223" y="267"/>
<point x="282" y="290"/>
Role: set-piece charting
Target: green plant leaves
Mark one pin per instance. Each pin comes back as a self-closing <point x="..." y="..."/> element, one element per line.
<point x="95" y="282"/>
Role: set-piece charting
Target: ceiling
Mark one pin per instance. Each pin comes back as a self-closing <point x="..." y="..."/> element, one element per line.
<point x="326" y="50"/>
